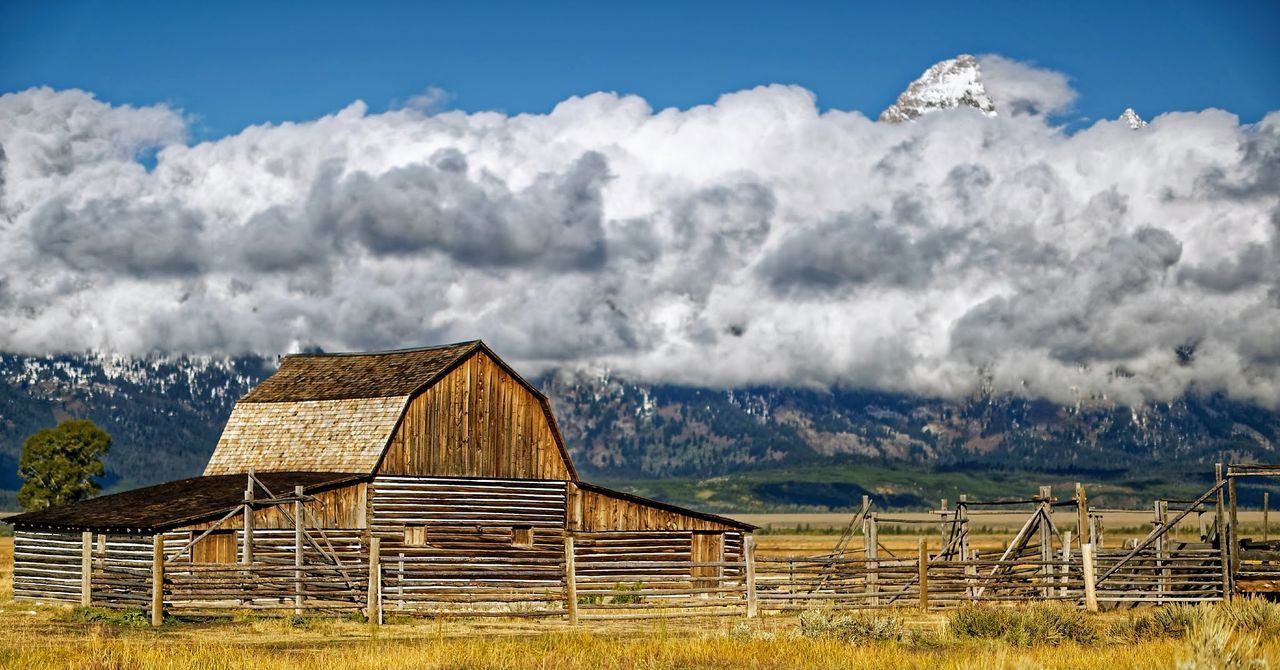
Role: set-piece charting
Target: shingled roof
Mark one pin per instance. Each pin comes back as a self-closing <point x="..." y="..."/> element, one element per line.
<point x="306" y="377"/>
<point x="172" y="504"/>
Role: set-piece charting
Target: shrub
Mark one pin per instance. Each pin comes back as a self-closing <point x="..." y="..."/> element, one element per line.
<point x="850" y="626"/>
<point x="626" y="594"/>
<point x="1214" y="645"/>
<point x="1040" y="623"/>
<point x="1251" y="614"/>
<point x="1171" y="621"/>
<point x="115" y="617"/>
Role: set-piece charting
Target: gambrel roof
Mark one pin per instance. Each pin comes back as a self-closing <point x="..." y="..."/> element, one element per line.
<point x="337" y="412"/>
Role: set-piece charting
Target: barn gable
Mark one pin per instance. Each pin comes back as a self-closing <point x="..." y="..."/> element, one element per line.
<point x="454" y="410"/>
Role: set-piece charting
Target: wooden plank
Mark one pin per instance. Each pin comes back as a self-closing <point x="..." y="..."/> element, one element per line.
<point x="157" y="581"/>
<point x="749" y="549"/>
<point x="1090" y="584"/>
<point x="86" y="568"/>
<point x="570" y="581"/>
<point x="923" y="559"/>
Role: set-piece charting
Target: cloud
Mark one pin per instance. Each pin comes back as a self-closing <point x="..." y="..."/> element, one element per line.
<point x="757" y="240"/>
<point x="1021" y="88"/>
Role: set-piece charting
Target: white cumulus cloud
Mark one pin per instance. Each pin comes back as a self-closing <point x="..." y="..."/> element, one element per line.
<point x="756" y="240"/>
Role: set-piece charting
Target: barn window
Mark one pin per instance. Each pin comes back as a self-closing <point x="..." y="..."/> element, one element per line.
<point x="218" y="546"/>
<point x="522" y="536"/>
<point x="415" y="536"/>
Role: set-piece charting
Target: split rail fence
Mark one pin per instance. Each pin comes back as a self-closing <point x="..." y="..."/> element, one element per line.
<point x="588" y="585"/>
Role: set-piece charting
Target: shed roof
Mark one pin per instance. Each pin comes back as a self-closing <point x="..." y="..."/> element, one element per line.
<point x="173" y="504"/>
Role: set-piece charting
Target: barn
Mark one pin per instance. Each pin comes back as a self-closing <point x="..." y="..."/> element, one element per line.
<point x="426" y="481"/>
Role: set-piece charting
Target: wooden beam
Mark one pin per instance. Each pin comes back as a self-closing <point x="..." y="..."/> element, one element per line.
<point x="1082" y="516"/>
<point x="297" y="549"/>
<point x="373" y="603"/>
<point x="246" y="550"/>
<point x="1233" y="527"/>
<point x="570" y="581"/>
<point x="157" y="579"/>
<point x="86" y="568"/>
<point x="749" y="556"/>
<point x="1223" y="554"/>
<point x="1090" y="584"/>
<point x="924" y="573"/>
<point x="1266" y="515"/>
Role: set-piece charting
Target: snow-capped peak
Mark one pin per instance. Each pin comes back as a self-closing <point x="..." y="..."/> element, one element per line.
<point x="1131" y="117"/>
<point x="955" y="82"/>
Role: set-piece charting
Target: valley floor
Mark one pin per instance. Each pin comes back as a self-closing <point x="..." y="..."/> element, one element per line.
<point x="40" y="638"/>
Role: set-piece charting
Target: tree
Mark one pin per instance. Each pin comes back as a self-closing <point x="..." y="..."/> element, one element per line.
<point x="58" y="464"/>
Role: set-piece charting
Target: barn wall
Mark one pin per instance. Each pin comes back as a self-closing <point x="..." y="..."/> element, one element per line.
<point x="604" y="512"/>
<point x="46" y="565"/>
<point x="598" y="554"/>
<point x="478" y="421"/>
<point x="470" y="557"/>
<point x="337" y="508"/>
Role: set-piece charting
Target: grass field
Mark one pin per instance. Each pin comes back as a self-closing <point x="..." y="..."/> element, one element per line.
<point x="40" y="638"/>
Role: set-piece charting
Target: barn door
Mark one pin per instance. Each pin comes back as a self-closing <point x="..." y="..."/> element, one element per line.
<point x="707" y="547"/>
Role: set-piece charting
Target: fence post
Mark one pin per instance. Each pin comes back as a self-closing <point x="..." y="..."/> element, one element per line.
<point x="1266" y="515"/>
<point x="373" y="602"/>
<point x="246" y="552"/>
<point x="1046" y="542"/>
<point x="570" y="581"/>
<point x="1223" y="556"/>
<point x="297" y="550"/>
<point x="1066" y="562"/>
<point x="1162" y="547"/>
<point x="86" y="568"/>
<point x="1083" y="527"/>
<point x="749" y="553"/>
<point x="1090" y="583"/>
<point x="157" y="579"/>
<point x="924" y="574"/>
<point x="873" y="553"/>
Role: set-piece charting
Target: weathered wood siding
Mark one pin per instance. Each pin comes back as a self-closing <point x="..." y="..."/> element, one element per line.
<point x="337" y="508"/>
<point x="603" y="555"/>
<point x="470" y="557"/>
<point x="604" y="512"/>
<point x="478" y="421"/>
<point x="46" y="565"/>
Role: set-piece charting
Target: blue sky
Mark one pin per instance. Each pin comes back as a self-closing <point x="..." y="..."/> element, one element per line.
<point x="234" y="64"/>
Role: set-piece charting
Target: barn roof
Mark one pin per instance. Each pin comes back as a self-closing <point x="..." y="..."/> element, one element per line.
<point x="173" y="504"/>
<point x="383" y="374"/>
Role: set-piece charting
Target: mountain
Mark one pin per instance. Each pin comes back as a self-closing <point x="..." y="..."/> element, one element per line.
<point x="955" y="82"/>
<point x="1131" y="117"/>
<point x="165" y="414"/>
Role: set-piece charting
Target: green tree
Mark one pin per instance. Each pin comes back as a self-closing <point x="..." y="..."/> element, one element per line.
<point x="58" y="464"/>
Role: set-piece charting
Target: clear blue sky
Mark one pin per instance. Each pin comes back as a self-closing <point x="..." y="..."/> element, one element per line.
<point x="231" y="64"/>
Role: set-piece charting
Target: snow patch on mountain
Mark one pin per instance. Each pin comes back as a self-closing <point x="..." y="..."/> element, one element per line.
<point x="955" y="82"/>
<point x="1131" y="117"/>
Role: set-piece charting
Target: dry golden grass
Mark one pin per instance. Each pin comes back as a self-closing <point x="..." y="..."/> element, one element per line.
<point x="45" y="638"/>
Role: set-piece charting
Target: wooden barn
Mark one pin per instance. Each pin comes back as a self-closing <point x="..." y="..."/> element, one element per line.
<point x="425" y="481"/>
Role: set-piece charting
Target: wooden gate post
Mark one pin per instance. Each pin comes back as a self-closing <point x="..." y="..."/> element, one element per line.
<point x="1266" y="515"/>
<point x="297" y="550"/>
<point x="157" y="579"/>
<point x="1090" y="583"/>
<point x="374" y="601"/>
<point x="1233" y="528"/>
<point x="1162" y="546"/>
<point x="1223" y="555"/>
<point x="570" y="582"/>
<point x="1083" y="527"/>
<point x="86" y="568"/>
<point x="924" y="574"/>
<point x="1066" y="562"/>
<point x="1046" y="542"/>
<point x="246" y="552"/>
<point x="749" y="553"/>
<point x="873" y="553"/>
